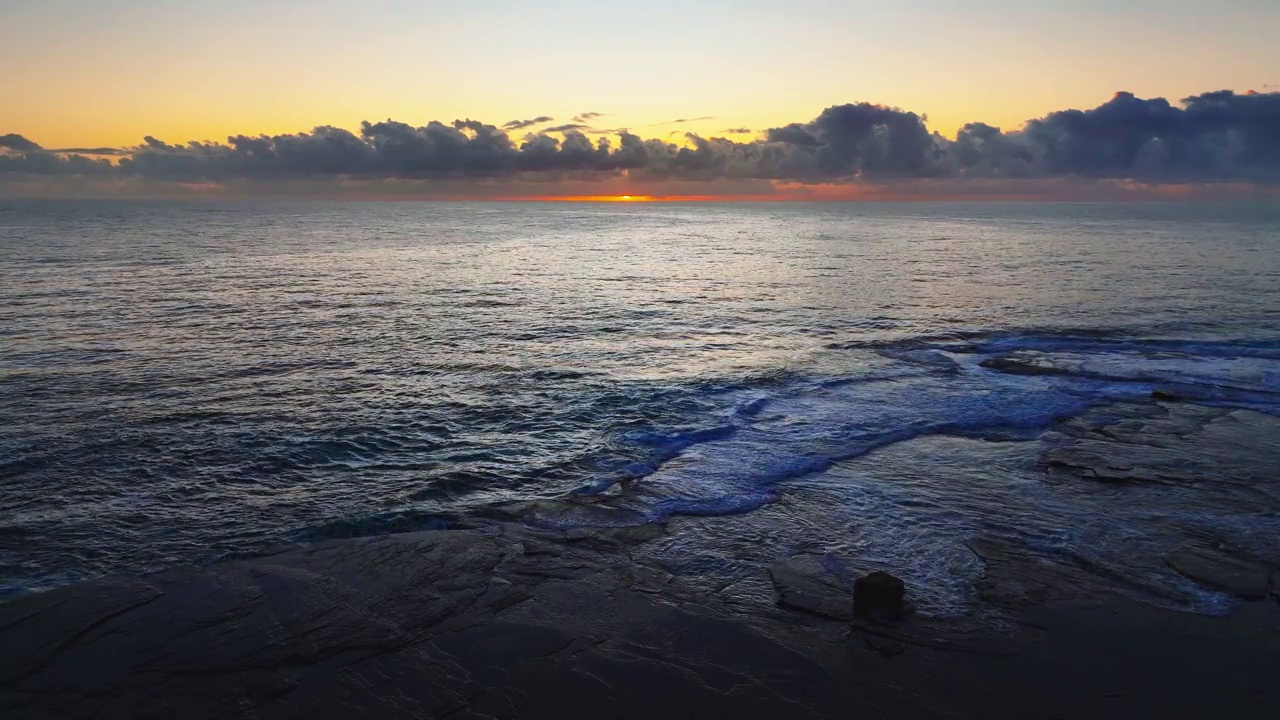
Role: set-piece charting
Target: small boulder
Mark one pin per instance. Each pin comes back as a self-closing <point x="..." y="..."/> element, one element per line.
<point x="879" y="596"/>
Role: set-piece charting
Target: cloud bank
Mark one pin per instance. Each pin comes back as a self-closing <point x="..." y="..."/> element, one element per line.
<point x="1212" y="137"/>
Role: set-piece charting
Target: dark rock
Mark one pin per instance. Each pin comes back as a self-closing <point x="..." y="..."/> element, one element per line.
<point x="1221" y="571"/>
<point x="646" y="579"/>
<point x="441" y="623"/>
<point x="513" y="622"/>
<point x="1170" y="443"/>
<point x="1021" y="367"/>
<point x="878" y="596"/>
<point x="1166" y="396"/>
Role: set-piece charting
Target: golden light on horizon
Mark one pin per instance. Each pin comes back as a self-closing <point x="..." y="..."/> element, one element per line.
<point x="601" y="198"/>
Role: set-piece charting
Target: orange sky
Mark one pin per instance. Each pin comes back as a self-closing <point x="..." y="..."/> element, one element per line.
<point x="98" y="73"/>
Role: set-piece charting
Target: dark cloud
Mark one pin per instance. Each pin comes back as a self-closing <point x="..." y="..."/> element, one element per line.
<point x="24" y="157"/>
<point x="43" y="163"/>
<point x="587" y="117"/>
<point x="18" y="143"/>
<point x="793" y="134"/>
<point x="92" y="151"/>
<point x="568" y="127"/>
<point x="1216" y="136"/>
<point x="463" y="149"/>
<point x="852" y="140"/>
<point x="1212" y="136"/>
<point x="738" y="131"/>
<point x="522" y="124"/>
<point x="14" y="141"/>
<point x="155" y="144"/>
<point x="983" y="150"/>
<point x="683" y="120"/>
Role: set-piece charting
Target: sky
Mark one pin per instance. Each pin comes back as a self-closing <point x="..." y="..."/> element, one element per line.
<point x="108" y="73"/>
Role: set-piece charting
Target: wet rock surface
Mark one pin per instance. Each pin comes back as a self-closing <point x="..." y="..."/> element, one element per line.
<point x="802" y="583"/>
<point x="505" y="622"/>
<point x="1023" y="365"/>
<point x="499" y="622"/>
<point x="496" y="619"/>
<point x="1171" y="443"/>
<point x="1224" y="571"/>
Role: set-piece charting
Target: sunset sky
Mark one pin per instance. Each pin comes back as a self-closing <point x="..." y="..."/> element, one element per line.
<point x="106" y="73"/>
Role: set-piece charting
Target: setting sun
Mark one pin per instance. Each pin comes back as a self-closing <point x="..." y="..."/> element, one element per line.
<point x="599" y="198"/>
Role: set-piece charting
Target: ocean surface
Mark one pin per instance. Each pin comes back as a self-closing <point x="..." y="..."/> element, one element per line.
<point x="182" y="382"/>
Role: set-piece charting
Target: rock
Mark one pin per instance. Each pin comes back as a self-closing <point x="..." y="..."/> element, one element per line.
<point x="1218" y="570"/>
<point x="803" y="584"/>
<point x="608" y="537"/>
<point x="1021" y="367"/>
<point x="1166" y="396"/>
<point x="498" y="595"/>
<point x="1223" y="451"/>
<point x="440" y="623"/>
<point x="648" y="580"/>
<point x="1018" y="577"/>
<point x="878" y="596"/>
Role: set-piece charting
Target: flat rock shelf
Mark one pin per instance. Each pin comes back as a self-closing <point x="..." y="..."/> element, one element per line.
<point x="497" y="619"/>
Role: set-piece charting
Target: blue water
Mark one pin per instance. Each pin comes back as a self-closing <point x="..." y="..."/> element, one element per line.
<point x="181" y="382"/>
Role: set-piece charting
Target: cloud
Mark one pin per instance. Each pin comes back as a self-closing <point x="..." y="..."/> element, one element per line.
<point x="522" y="124"/>
<point x="43" y="163"/>
<point x="569" y="127"/>
<point x="155" y="144"/>
<point x="18" y="143"/>
<point x="683" y="120"/>
<point x="859" y="138"/>
<point x="91" y="151"/>
<point x="1212" y="136"/>
<point x="587" y="117"/>
<point x="14" y="141"/>
<point x="738" y="131"/>
<point x="1216" y="136"/>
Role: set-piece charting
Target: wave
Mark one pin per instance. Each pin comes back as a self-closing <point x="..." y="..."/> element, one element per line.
<point x="735" y="446"/>
<point x="943" y="388"/>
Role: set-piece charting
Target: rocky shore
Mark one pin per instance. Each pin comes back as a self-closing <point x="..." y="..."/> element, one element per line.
<point x="495" y="618"/>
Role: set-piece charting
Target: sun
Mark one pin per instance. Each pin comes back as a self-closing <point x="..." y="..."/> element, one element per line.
<point x="600" y="198"/>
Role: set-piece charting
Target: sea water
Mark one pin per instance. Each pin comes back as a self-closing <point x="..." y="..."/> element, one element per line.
<point x="181" y="382"/>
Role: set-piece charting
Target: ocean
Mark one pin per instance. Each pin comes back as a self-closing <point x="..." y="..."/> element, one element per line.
<point x="187" y="381"/>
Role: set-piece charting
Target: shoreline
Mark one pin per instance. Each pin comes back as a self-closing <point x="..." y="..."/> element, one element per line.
<point x="507" y="621"/>
<point x="499" y="618"/>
